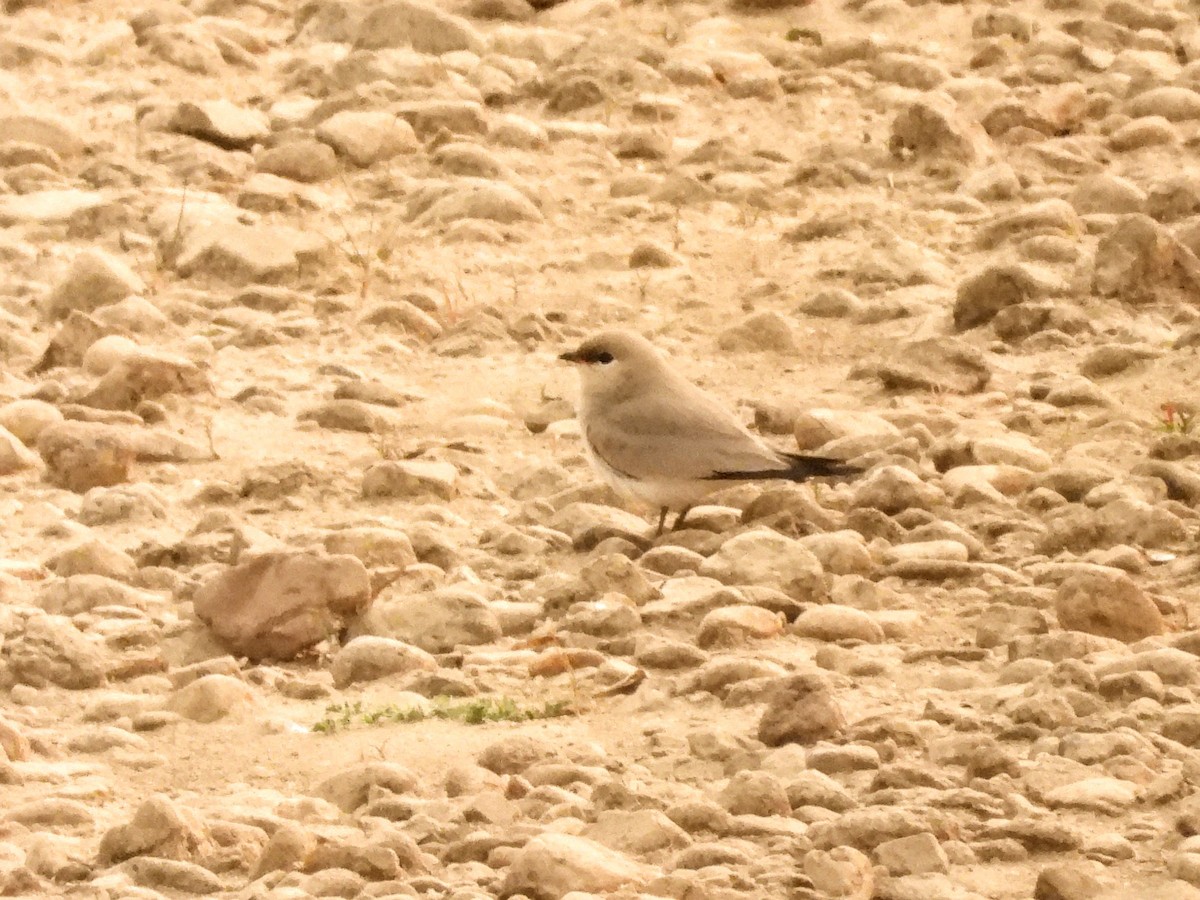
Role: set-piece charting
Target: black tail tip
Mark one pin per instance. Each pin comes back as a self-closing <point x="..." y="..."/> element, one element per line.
<point x="822" y="467"/>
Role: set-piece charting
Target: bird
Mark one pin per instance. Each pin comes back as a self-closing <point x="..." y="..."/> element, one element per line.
<point x="654" y="435"/>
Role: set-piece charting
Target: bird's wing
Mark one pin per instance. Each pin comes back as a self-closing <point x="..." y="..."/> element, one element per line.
<point x="678" y="436"/>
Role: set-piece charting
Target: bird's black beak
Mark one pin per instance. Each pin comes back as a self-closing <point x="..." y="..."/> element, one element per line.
<point x="571" y="356"/>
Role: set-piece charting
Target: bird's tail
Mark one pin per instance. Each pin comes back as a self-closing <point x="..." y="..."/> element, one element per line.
<point x="800" y="468"/>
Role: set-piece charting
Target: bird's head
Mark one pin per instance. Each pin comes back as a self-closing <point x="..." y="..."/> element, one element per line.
<point x="614" y="364"/>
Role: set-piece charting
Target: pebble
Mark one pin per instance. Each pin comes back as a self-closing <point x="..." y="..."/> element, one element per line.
<point x="278" y="604"/>
<point x="438" y="622"/>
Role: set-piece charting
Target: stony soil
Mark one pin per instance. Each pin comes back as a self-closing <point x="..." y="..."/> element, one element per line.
<point x="282" y="429"/>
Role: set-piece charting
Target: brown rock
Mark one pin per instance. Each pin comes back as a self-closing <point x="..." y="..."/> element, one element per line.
<point x="1108" y="605"/>
<point x="802" y="710"/>
<point x="159" y="828"/>
<point x="279" y="604"/>
<point x="82" y="455"/>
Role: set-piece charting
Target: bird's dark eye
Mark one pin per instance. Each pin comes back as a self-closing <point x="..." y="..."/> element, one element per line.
<point x="604" y="357"/>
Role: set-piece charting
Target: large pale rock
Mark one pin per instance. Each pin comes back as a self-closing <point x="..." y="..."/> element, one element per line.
<point x="145" y="376"/>
<point x="1138" y="258"/>
<point x="304" y="160"/>
<point x="366" y="137"/>
<point x="160" y="828"/>
<point x="27" y="419"/>
<point x="51" y="650"/>
<point x="436" y="622"/>
<point x="424" y="27"/>
<point x="411" y="478"/>
<point x="816" y="427"/>
<point x="550" y="866"/>
<point x="82" y="455"/>
<point x="368" y="657"/>
<point x="984" y="293"/>
<point x="373" y="545"/>
<point x="353" y="786"/>
<point x="14" y="455"/>
<point x="893" y="489"/>
<point x="96" y="278"/>
<point x="843" y="873"/>
<point x="474" y="198"/>
<point x="220" y="122"/>
<point x="943" y="365"/>
<point x="43" y="131"/>
<point x="768" y="559"/>
<point x="211" y="697"/>
<point x="243" y="254"/>
<point x="1109" y="605"/>
<point x="637" y="831"/>
<point x="1172" y="102"/>
<point x="278" y="604"/>
<point x="832" y="622"/>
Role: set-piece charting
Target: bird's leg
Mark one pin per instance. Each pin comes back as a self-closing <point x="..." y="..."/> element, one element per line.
<point x="679" y="518"/>
<point x="662" y="519"/>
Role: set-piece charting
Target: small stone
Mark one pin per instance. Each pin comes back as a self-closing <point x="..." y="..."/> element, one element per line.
<point x="802" y="710"/>
<point x="1107" y="194"/>
<point x="305" y="160"/>
<point x="46" y="131"/>
<point x="1108" y="605"/>
<point x="51" y="650"/>
<point x="1066" y="881"/>
<point x="892" y="490"/>
<point x="551" y="866"/>
<point x="843" y="873"/>
<point x="172" y="874"/>
<point x="159" y="828"/>
<point x="367" y="137"/>
<point x="368" y="658"/>
<point x="220" y="122"/>
<point x="350" y="788"/>
<point x="1144" y="131"/>
<point x="944" y="365"/>
<point x="211" y="698"/>
<point x="752" y="793"/>
<point x="982" y="295"/>
<point x="423" y="27"/>
<point x="14" y="455"/>
<point x="96" y="278"/>
<point x="913" y="855"/>
<point x="278" y="604"/>
<point x="1175" y="104"/>
<point x="438" y="622"/>
<point x="764" y="331"/>
<point x="411" y="478"/>
<point x="767" y="558"/>
<point x="931" y="128"/>
<point x="831" y="622"/>
<point x="475" y="198"/>
<point x="733" y="626"/>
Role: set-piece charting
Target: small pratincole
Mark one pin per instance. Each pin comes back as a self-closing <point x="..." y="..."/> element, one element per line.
<point x="654" y="435"/>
